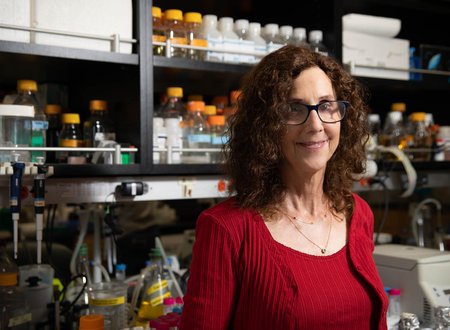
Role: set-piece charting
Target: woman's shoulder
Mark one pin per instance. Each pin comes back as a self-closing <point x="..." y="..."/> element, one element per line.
<point x="360" y="204"/>
<point x="227" y="213"/>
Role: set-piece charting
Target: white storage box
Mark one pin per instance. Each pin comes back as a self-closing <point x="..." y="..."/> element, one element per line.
<point x="381" y="52"/>
<point x="99" y="17"/>
<point x="15" y="12"/>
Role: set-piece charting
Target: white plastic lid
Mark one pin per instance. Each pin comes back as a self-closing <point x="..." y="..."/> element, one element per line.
<point x="226" y="24"/>
<point x="254" y="28"/>
<point x="395" y="116"/>
<point x="209" y="20"/>
<point x="315" y="35"/>
<point x="271" y="29"/>
<point x="15" y="110"/>
<point x="300" y="33"/>
<point x="241" y="24"/>
<point x="374" y="118"/>
<point x="286" y="30"/>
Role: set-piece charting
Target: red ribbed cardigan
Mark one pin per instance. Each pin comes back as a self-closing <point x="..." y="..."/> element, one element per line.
<point x="239" y="279"/>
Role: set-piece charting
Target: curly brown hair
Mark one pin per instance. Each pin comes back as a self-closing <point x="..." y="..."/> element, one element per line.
<point x="256" y="130"/>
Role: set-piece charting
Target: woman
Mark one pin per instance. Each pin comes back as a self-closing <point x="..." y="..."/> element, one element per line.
<point x="293" y="248"/>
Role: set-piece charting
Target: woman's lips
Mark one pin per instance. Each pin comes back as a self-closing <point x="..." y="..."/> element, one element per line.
<point x="313" y="145"/>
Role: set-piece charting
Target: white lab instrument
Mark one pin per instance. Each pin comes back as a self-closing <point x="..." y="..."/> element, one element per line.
<point x="422" y="275"/>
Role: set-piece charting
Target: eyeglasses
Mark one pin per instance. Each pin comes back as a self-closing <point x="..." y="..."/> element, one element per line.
<point x="329" y="112"/>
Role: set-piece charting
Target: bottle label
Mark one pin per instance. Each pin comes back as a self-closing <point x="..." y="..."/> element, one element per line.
<point x="158" y="38"/>
<point x="71" y="143"/>
<point x="157" y="292"/>
<point x="107" y="302"/>
<point x="199" y="42"/>
<point x="198" y="138"/>
<point x="37" y="140"/>
<point x="39" y="125"/>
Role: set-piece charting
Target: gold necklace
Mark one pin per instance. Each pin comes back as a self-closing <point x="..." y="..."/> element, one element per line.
<point x="324" y="249"/>
<point x="291" y="218"/>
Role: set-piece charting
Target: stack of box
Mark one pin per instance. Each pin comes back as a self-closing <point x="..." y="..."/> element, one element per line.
<point x="370" y="47"/>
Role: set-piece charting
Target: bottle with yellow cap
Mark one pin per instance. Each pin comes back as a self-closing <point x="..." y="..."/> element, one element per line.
<point x="71" y="137"/>
<point x="53" y="112"/>
<point x="194" y="34"/>
<point x="394" y="133"/>
<point x="99" y="126"/>
<point x="158" y="32"/>
<point x="14" y="311"/>
<point x="422" y="139"/>
<point x="175" y="31"/>
<point x="27" y="90"/>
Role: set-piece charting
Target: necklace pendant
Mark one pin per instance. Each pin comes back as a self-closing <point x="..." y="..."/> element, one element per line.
<point x="324" y="250"/>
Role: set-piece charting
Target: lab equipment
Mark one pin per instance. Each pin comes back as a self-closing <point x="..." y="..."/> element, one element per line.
<point x="420" y="273"/>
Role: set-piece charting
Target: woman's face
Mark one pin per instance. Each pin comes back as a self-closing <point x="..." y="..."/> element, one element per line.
<point x="308" y="147"/>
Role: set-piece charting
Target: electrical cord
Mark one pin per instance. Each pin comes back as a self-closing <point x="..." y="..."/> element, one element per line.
<point x="374" y="181"/>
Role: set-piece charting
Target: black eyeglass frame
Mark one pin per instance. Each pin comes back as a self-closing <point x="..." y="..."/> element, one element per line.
<point x="316" y="107"/>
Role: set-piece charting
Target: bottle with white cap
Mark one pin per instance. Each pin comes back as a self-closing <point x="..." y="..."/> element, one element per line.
<point x="254" y="33"/>
<point x="241" y="27"/>
<point x="213" y="37"/>
<point x="316" y="42"/>
<point x="300" y="37"/>
<point x="271" y="35"/>
<point x="230" y="40"/>
<point x="286" y="35"/>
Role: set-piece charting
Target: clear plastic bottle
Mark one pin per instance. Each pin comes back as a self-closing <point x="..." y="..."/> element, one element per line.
<point x="394" y="133"/>
<point x="27" y="90"/>
<point x="168" y="305"/>
<point x="156" y="288"/>
<point x="213" y="37"/>
<point x="71" y="137"/>
<point x="159" y="140"/>
<point x="271" y="36"/>
<point x="174" y="107"/>
<point x="14" y="310"/>
<point x="197" y="134"/>
<point x="241" y="28"/>
<point x="421" y="137"/>
<point x="218" y="138"/>
<point x="175" y="31"/>
<point x="316" y="42"/>
<point x="395" y="308"/>
<point x="53" y="112"/>
<point x="230" y="40"/>
<point x="194" y="34"/>
<point x="254" y="33"/>
<point x="300" y="37"/>
<point x="121" y="272"/>
<point x="158" y="31"/>
<point x="286" y="35"/>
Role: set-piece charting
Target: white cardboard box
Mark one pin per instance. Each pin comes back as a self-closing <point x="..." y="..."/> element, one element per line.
<point x="381" y="52"/>
<point x="15" y="12"/>
<point x="98" y="17"/>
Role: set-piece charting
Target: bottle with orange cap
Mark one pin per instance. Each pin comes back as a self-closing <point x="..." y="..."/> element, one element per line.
<point x="195" y="36"/>
<point x="92" y="322"/>
<point x="158" y="31"/>
<point x="175" y="32"/>
<point x="197" y="134"/>
<point x="218" y="138"/>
